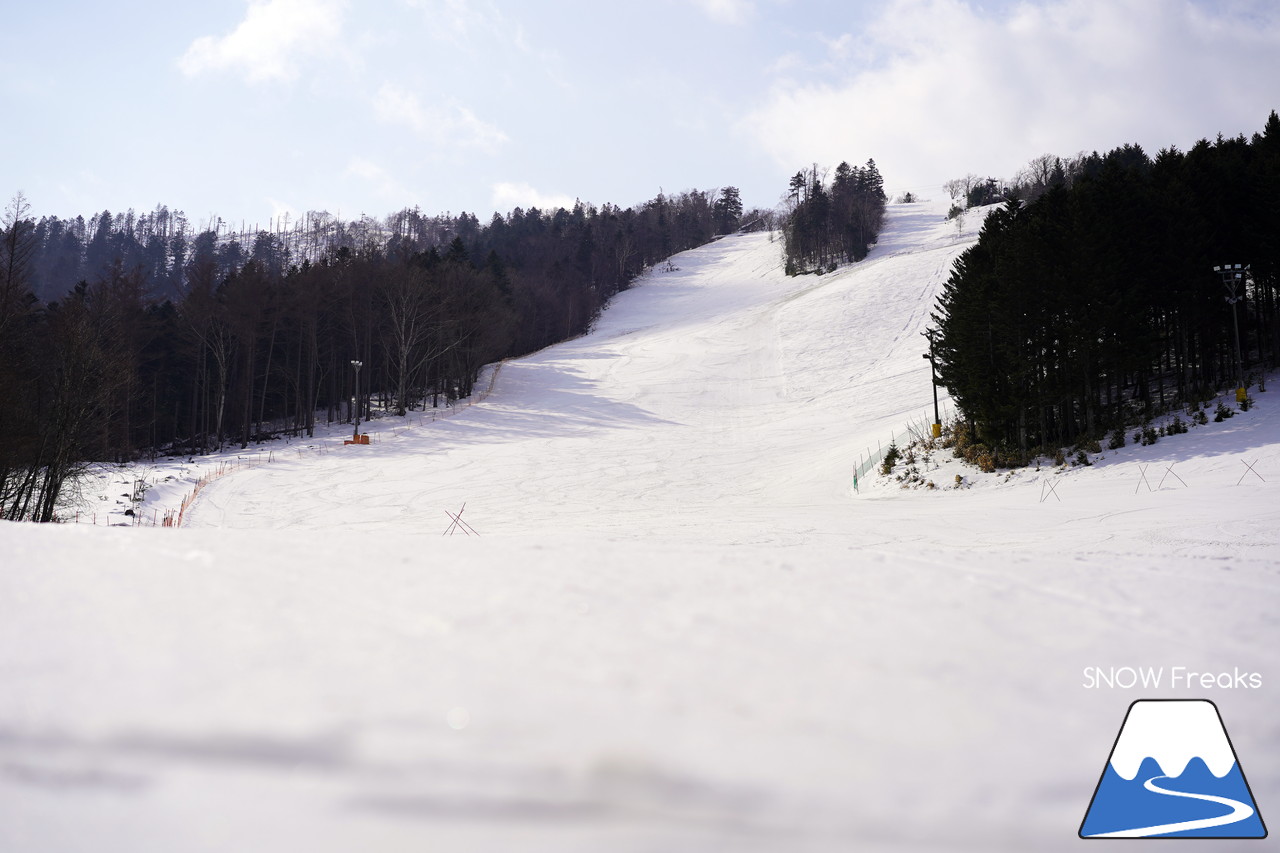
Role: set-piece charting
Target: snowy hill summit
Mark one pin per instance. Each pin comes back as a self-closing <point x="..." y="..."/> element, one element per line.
<point x="673" y="623"/>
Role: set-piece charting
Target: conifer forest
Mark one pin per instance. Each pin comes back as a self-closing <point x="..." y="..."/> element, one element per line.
<point x="133" y="333"/>
<point x="1091" y="301"/>
<point x="832" y="222"/>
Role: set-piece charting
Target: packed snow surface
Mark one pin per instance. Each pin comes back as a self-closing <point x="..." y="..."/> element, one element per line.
<point x="680" y="626"/>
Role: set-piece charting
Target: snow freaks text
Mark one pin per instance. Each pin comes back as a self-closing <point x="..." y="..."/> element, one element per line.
<point x="1172" y="678"/>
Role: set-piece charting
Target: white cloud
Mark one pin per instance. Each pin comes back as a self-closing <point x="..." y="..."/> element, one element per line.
<point x="491" y="37"/>
<point x="452" y="126"/>
<point x="456" y="18"/>
<point x="379" y="181"/>
<point x="268" y="43"/>
<point x="937" y="88"/>
<point x="508" y="196"/>
<point x="727" y="11"/>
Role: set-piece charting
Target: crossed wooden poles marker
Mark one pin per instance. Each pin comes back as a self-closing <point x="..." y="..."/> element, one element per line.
<point x="459" y="524"/>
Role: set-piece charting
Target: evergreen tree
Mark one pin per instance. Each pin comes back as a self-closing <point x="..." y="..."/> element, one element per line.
<point x="728" y="210"/>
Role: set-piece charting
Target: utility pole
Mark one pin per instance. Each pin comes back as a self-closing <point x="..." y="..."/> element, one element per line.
<point x="1233" y="280"/>
<point x="933" y="373"/>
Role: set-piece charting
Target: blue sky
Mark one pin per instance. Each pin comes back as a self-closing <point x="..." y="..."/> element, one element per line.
<point x="250" y="108"/>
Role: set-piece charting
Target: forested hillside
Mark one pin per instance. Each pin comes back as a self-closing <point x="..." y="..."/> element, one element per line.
<point x="1096" y="305"/>
<point x="130" y="332"/>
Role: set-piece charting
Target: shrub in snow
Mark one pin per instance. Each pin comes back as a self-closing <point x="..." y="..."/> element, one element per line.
<point x="1246" y="404"/>
<point x="1200" y="418"/>
<point x="1117" y="439"/>
<point x="910" y="477"/>
<point x="959" y="436"/>
<point x="1222" y="413"/>
<point x="973" y="452"/>
<point x="890" y="459"/>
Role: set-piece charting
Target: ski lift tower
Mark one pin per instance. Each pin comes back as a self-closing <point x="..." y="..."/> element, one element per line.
<point x="1234" y="277"/>
<point x="356" y="437"/>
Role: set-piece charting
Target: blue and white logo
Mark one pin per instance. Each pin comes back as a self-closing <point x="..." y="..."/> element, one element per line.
<point x="1173" y="773"/>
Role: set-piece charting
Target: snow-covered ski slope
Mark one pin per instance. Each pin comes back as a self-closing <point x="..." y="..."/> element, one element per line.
<point x="720" y="402"/>
<point x="679" y="628"/>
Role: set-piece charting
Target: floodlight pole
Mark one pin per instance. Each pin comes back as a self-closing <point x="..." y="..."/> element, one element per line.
<point x="1233" y="277"/>
<point x="933" y="373"/>
<point x="357" y="365"/>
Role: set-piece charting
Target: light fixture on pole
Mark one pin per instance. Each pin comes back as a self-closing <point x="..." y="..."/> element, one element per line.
<point x="1233" y="280"/>
<point x="357" y="365"/>
<point x="933" y="373"/>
